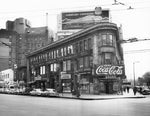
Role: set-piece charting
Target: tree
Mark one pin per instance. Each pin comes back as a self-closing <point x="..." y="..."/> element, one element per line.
<point x="146" y="78"/>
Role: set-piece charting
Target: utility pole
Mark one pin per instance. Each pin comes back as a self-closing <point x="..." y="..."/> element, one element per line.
<point x="134" y="71"/>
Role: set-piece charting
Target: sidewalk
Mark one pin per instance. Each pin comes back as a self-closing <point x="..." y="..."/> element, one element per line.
<point x="102" y="97"/>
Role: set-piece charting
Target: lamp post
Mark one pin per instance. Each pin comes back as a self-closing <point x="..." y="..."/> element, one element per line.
<point x="134" y="70"/>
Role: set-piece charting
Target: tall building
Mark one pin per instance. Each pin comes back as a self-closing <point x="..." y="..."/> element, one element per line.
<point x="29" y="39"/>
<point x="8" y="49"/>
<point x="19" y="25"/>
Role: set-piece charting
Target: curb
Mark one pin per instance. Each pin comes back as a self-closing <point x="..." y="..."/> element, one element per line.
<point x="137" y="97"/>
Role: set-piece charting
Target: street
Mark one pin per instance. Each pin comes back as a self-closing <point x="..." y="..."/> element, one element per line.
<point x="14" y="105"/>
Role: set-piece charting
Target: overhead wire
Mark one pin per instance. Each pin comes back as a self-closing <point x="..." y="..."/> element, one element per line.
<point x="60" y="9"/>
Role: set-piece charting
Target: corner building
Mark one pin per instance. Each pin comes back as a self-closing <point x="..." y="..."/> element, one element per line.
<point x="91" y="59"/>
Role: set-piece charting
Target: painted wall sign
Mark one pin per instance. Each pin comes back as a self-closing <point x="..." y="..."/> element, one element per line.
<point x="110" y="70"/>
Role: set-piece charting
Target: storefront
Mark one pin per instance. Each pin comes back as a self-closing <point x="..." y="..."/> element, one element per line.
<point x="109" y="79"/>
<point x="66" y="82"/>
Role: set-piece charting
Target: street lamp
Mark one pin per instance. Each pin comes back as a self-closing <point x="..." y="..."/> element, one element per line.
<point x="134" y="70"/>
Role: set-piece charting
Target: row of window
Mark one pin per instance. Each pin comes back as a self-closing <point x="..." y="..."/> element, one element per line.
<point x="4" y="76"/>
<point x="105" y="39"/>
<point x="75" y="48"/>
<point x="80" y="63"/>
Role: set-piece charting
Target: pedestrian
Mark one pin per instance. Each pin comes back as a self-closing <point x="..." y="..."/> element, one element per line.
<point x="134" y="90"/>
<point x="128" y="88"/>
<point x="78" y="90"/>
<point x="124" y="89"/>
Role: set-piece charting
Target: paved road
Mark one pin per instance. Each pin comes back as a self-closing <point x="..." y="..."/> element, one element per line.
<point x="13" y="105"/>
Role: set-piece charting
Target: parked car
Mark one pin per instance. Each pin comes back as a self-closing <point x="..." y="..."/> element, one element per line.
<point x="51" y="92"/>
<point x="36" y="92"/>
<point x="145" y="91"/>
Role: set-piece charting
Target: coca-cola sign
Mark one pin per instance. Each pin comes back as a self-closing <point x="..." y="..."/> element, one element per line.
<point x="110" y="70"/>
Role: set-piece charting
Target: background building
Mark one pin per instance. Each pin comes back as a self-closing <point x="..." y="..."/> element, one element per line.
<point x="28" y="40"/>
<point x="8" y="56"/>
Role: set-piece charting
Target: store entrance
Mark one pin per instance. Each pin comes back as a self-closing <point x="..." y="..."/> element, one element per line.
<point x="109" y="87"/>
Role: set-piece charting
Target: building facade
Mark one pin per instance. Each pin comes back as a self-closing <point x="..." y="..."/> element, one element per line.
<point x="91" y="59"/>
<point x="29" y="39"/>
<point x="8" y="49"/>
<point x="7" y="77"/>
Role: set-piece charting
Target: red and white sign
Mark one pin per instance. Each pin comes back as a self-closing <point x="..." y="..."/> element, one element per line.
<point x="110" y="70"/>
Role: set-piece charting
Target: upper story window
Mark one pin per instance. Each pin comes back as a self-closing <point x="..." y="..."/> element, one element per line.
<point x="62" y="52"/>
<point x="108" y="58"/>
<point x="65" y="51"/>
<point x="70" y="49"/>
<point x="107" y="39"/>
<point x="85" y="44"/>
<point x="90" y="43"/>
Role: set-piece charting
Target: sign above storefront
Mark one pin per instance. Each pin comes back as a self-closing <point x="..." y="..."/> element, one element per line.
<point x="64" y="75"/>
<point x="110" y="70"/>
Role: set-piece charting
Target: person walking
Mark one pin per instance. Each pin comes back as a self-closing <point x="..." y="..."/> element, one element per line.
<point x="134" y="90"/>
<point x="128" y="88"/>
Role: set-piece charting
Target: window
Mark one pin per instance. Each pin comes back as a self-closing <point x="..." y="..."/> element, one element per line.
<point x="108" y="58"/>
<point x="65" y="51"/>
<point x="86" y="62"/>
<point x="104" y="39"/>
<point x="51" y="67"/>
<point x="42" y="70"/>
<point x="76" y="47"/>
<point x="54" y="54"/>
<point x="81" y="46"/>
<point x="80" y="62"/>
<point x="68" y="65"/>
<point x="107" y="39"/>
<point x="85" y="45"/>
<point x="64" y="66"/>
<point x="70" y="49"/>
<point x="89" y="43"/>
<point x="62" y="52"/>
<point x="57" y="53"/>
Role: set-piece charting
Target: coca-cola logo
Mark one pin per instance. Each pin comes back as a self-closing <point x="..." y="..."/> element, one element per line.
<point x="109" y="70"/>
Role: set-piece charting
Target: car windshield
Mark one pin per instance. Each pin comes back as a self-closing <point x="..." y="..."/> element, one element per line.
<point x="12" y="87"/>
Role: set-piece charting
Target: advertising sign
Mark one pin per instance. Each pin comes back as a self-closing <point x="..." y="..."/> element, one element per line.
<point x="64" y="75"/>
<point x="110" y="70"/>
<point x="83" y="19"/>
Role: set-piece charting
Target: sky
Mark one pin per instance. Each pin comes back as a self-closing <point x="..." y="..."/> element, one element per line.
<point x="135" y="23"/>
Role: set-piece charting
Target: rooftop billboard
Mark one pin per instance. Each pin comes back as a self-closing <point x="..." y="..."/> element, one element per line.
<point x="83" y="19"/>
